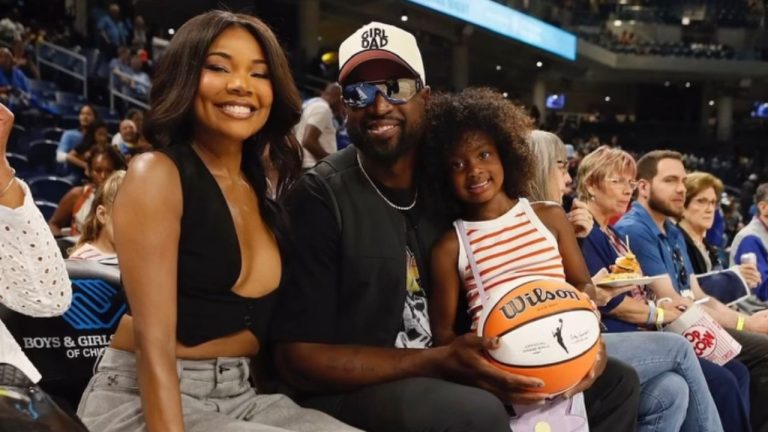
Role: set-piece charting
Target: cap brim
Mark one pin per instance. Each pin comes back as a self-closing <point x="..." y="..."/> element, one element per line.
<point x="368" y="55"/>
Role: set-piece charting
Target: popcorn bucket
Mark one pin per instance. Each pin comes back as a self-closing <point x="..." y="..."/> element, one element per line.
<point x="708" y="339"/>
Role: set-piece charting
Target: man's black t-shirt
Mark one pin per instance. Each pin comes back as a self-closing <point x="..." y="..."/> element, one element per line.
<point x="310" y="296"/>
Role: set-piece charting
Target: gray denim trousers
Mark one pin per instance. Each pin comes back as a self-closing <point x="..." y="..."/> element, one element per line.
<point x="216" y="396"/>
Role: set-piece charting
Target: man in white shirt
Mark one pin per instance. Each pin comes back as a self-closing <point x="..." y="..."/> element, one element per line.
<point x="316" y="130"/>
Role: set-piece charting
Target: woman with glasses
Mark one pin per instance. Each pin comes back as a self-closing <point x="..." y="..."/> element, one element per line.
<point x="701" y="200"/>
<point x="552" y="181"/>
<point x="606" y="183"/>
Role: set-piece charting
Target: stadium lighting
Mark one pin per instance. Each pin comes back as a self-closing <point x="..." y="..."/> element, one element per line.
<point x="505" y="94"/>
<point x="404" y="17"/>
<point x="711" y="103"/>
<point x="687" y="84"/>
<point x="171" y="31"/>
<point x="498" y="67"/>
<point x="686" y="21"/>
<point x="617" y="23"/>
<point x="667" y="83"/>
<point x="539" y="64"/>
<point x="607" y="98"/>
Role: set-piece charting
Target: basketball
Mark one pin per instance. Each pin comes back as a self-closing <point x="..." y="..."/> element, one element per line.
<point x="547" y="329"/>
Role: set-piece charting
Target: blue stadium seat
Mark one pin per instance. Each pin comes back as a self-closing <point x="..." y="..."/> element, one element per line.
<point x="67" y="98"/>
<point x="106" y="114"/>
<point x="92" y="56"/>
<point x="49" y="188"/>
<point x="42" y="156"/>
<point x="19" y="163"/>
<point x="51" y="133"/>
<point x="46" y="208"/>
<point x="42" y="85"/>
<point x="17" y="142"/>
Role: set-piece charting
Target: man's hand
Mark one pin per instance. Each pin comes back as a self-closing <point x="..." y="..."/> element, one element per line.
<point x="465" y="362"/>
<point x="758" y="322"/>
<point x="597" y="369"/>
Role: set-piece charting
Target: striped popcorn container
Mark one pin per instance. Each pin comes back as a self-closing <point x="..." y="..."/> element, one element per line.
<point x="708" y="339"/>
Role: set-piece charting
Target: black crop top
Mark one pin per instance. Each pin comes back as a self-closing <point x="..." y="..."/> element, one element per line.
<point x="209" y="261"/>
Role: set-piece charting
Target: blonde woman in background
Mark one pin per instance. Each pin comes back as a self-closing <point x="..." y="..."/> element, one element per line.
<point x="97" y="241"/>
<point x="551" y="179"/>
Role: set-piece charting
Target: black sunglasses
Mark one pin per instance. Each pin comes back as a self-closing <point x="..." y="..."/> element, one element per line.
<point x="395" y="91"/>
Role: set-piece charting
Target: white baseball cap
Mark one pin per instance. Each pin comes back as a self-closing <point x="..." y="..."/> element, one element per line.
<point x="375" y="41"/>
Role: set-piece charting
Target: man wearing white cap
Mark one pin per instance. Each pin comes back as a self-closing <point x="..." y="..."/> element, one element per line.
<point x="352" y="328"/>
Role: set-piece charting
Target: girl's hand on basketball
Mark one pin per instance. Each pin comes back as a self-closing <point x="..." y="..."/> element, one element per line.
<point x="597" y="370"/>
<point x="465" y="363"/>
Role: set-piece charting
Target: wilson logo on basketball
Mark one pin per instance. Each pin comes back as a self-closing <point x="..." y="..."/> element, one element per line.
<point x="519" y="304"/>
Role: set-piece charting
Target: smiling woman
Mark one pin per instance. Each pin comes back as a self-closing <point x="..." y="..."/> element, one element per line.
<point x="200" y="243"/>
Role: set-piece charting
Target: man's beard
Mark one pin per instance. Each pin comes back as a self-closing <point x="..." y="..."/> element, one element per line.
<point x="407" y="139"/>
<point x="662" y="207"/>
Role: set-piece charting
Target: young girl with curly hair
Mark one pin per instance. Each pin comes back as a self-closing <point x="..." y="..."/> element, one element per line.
<point x="481" y="168"/>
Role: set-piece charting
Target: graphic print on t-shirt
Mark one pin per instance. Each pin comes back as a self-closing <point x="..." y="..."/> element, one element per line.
<point x="416" y="332"/>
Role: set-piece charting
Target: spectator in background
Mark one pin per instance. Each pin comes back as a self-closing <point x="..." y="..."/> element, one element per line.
<point x="702" y="200"/>
<point x="13" y="83"/>
<point x="140" y="33"/>
<point x="130" y="142"/>
<point x="112" y="31"/>
<point x="23" y="57"/>
<point x="11" y="28"/>
<point x="121" y="63"/>
<point x="746" y="196"/>
<point x="75" y="206"/>
<point x="72" y="138"/>
<point x="753" y="238"/>
<point x="96" y="137"/>
<point x="733" y="220"/>
<point x="316" y="130"/>
<point x="137" y="82"/>
<point x="97" y="241"/>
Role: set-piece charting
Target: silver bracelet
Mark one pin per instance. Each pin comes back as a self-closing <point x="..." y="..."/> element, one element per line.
<point x="10" y="182"/>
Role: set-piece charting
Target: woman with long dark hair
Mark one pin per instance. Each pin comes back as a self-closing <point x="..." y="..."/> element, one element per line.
<point x="76" y="204"/>
<point x="70" y="165"/>
<point x="200" y="243"/>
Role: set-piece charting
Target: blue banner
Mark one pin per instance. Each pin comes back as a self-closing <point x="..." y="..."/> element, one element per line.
<point x="508" y="22"/>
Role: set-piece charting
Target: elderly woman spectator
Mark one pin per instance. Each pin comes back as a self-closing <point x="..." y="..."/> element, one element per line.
<point x="702" y="198"/>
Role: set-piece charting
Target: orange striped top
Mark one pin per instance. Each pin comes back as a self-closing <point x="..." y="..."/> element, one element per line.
<point x="513" y="246"/>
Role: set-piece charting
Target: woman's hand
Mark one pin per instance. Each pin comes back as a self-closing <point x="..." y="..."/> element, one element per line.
<point x="671" y="312"/>
<point x="581" y="219"/>
<point x="750" y="274"/>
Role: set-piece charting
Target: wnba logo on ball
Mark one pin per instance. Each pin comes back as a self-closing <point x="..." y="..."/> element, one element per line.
<point x="536" y="296"/>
